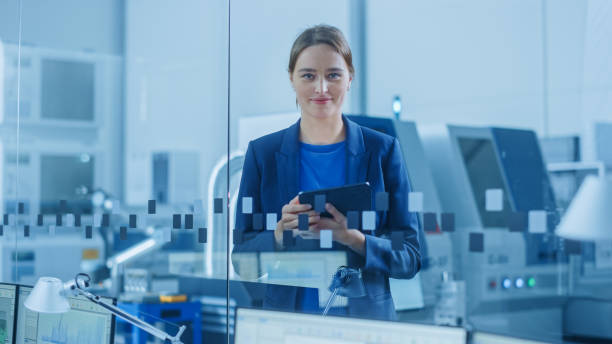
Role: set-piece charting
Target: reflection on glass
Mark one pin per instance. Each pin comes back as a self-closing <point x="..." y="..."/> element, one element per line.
<point x="303" y="269"/>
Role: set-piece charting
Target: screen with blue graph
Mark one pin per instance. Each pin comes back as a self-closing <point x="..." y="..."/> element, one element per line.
<point x="8" y="294"/>
<point x="85" y="323"/>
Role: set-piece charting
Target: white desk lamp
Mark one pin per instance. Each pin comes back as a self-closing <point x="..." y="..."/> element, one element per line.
<point x="50" y="296"/>
<point x="589" y="216"/>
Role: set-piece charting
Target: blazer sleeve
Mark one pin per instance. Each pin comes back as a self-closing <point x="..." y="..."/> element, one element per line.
<point x="247" y="240"/>
<point x="379" y="255"/>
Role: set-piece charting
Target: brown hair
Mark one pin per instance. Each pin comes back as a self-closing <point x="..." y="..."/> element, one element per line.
<point x="321" y="34"/>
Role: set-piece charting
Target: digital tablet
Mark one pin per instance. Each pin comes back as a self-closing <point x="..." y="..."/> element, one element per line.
<point x="355" y="197"/>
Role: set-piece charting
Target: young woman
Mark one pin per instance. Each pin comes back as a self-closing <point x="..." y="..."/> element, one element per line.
<point x="325" y="149"/>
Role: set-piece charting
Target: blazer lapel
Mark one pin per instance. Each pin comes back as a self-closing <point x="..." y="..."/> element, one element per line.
<point x="357" y="158"/>
<point x="287" y="164"/>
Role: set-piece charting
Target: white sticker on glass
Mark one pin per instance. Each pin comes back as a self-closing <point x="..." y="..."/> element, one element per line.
<point x="494" y="200"/>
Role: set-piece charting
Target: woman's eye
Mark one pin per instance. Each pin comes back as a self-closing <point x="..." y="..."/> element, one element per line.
<point x="308" y="76"/>
<point x="334" y="76"/>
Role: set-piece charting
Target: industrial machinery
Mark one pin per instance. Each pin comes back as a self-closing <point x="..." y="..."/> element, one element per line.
<point x="58" y="143"/>
<point x="69" y="128"/>
<point x="25" y="259"/>
<point x="506" y="252"/>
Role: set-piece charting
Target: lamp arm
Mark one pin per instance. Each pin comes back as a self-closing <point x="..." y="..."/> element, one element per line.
<point x="132" y="319"/>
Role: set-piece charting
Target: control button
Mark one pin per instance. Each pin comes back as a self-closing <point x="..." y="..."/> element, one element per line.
<point x="531" y="282"/>
<point x="492" y="284"/>
<point x="506" y="283"/>
<point x="519" y="282"/>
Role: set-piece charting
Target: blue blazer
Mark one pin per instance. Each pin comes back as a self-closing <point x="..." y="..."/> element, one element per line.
<point x="270" y="176"/>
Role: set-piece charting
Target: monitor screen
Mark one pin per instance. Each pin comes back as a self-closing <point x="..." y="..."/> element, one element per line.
<point x="271" y="327"/>
<point x="8" y="294"/>
<point x="85" y="323"/>
<point x="67" y="90"/>
<point x="487" y="338"/>
<point x="484" y="173"/>
<point x="66" y="177"/>
<point x="524" y="169"/>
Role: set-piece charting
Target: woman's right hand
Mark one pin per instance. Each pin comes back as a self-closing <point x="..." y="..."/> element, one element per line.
<point x="289" y="218"/>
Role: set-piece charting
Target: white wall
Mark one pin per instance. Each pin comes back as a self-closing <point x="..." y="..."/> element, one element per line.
<point x="597" y="77"/>
<point x="476" y="62"/>
<point x="93" y="25"/>
<point x="176" y="86"/>
<point x="566" y="26"/>
<point x="481" y="62"/>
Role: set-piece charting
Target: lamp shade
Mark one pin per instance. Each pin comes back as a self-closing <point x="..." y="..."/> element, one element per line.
<point x="589" y="216"/>
<point x="48" y="296"/>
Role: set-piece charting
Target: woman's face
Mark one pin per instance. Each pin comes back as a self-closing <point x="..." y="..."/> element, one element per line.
<point x="320" y="79"/>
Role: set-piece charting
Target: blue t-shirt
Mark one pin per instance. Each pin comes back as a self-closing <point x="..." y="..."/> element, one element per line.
<point x="321" y="166"/>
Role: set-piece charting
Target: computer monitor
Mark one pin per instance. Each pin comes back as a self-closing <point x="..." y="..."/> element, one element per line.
<point x="84" y="323"/>
<point x="8" y="295"/>
<point x="56" y="184"/>
<point x="488" y="338"/>
<point x="272" y="327"/>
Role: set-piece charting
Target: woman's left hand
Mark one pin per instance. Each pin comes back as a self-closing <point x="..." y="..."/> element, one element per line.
<point x="350" y="237"/>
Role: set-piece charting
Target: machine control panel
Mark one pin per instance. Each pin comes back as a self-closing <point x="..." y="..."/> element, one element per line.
<point x="523" y="282"/>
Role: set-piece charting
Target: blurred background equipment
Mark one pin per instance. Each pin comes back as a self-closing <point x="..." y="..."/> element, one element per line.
<point x="512" y="263"/>
<point x="589" y="218"/>
<point x="42" y="251"/>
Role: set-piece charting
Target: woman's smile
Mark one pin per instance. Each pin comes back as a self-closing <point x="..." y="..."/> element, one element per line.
<point x="321" y="100"/>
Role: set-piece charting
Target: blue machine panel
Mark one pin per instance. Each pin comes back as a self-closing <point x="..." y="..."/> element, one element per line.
<point x="529" y="187"/>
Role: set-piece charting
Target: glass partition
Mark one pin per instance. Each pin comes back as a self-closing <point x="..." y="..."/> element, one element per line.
<point x="433" y="163"/>
<point x="493" y="113"/>
<point x="111" y="161"/>
<point x="10" y="108"/>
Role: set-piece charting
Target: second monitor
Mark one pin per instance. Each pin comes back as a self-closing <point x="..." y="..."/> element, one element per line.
<point x="8" y="294"/>
<point x="84" y="323"/>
